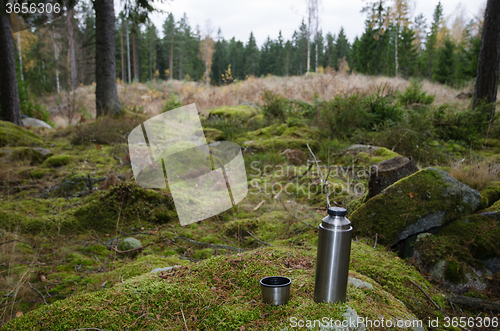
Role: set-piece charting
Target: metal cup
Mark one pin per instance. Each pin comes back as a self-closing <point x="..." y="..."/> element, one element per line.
<point x="275" y="290"/>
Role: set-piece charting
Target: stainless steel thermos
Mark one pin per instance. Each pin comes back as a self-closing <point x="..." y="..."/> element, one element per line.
<point x="332" y="263"/>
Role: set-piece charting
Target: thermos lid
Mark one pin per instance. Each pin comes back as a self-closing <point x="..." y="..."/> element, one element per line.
<point x="337" y="211"/>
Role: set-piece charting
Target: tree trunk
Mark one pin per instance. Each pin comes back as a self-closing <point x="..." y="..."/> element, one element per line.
<point x="121" y="53"/>
<point x="489" y="60"/>
<point x="9" y="95"/>
<point x="128" y="53"/>
<point x="171" y="64"/>
<point x="396" y="44"/>
<point x="72" y="77"/>
<point x="107" y="102"/>
<point x="56" y="58"/>
<point x="388" y="172"/>
<point x="134" y="54"/>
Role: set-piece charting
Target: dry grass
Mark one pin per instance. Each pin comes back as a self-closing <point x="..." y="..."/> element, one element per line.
<point x="150" y="98"/>
<point x="476" y="174"/>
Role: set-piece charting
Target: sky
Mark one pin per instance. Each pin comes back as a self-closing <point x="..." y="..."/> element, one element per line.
<point x="237" y="18"/>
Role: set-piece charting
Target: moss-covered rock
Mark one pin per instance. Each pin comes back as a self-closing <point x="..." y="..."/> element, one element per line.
<point x="58" y="160"/>
<point x="13" y="135"/>
<point x="427" y="199"/>
<point x="237" y="112"/>
<point x="363" y="155"/>
<point x="491" y="193"/>
<point x="281" y="136"/>
<point x="129" y="243"/>
<point x="222" y="293"/>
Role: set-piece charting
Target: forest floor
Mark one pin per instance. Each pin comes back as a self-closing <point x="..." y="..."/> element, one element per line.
<point x="64" y="214"/>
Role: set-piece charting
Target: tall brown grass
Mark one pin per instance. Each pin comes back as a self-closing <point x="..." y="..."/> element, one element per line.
<point x="150" y="97"/>
<point x="476" y="174"/>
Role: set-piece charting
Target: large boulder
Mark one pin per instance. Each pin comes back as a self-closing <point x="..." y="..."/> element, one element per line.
<point x="425" y="200"/>
<point x="462" y="254"/>
<point x="29" y="121"/>
<point x="13" y="135"/>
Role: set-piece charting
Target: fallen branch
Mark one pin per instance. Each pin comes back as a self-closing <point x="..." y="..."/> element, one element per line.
<point x="323" y="178"/>
<point x="13" y="240"/>
<point x="262" y="242"/>
<point x="129" y="250"/>
<point x="305" y="173"/>
<point x="427" y="295"/>
<point x="96" y="329"/>
<point x="37" y="291"/>
<point x="474" y="302"/>
<point x="234" y="249"/>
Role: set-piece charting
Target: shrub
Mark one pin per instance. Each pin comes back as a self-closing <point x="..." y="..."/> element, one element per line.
<point x="460" y="125"/>
<point x="343" y="116"/>
<point x="274" y="106"/>
<point x="413" y="94"/>
<point x="173" y="102"/>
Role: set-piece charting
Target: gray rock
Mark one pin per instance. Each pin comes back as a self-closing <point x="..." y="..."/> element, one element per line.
<point x="362" y="148"/>
<point x="129" y="243"/>
<point x="28" y="121"/>
<point x="161" y="269"/>
<point x="43" y="151"/>
<point x="359" y="283"/>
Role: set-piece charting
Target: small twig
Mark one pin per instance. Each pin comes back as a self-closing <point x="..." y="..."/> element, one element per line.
<point x="262" y="242"/>
<point x="37" y="291"/>
<point x="184" y="320"/>
<point x="129" y="250"/>
<point x="234" y="249"/>
<point x="427" y="295"/>
<point x="13" y="240"/>
<point x="96" y="329"/>
<point x="376" y="238"/>
<point x="298" y="219"/>
<point x="259" y="204"/>
<point x="321" y="173"/>
<point x="400" y="140"/>
<point x="305" y="173"/>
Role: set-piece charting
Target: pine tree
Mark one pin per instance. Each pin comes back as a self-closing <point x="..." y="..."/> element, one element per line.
<point x="430" y="45"/>
<point x="251" y="57"/>
<point x="443" y="71"/>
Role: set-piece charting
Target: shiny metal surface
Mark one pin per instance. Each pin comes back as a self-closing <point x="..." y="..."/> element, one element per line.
<point x="332" y="263"/>
<point x="275" y="290"/>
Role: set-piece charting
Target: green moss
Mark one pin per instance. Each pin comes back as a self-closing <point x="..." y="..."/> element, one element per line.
<point x="212" y="135"/>
<point x="383" y="154"/>
<point x="454" y="272"/>
<point x="429" y="198"/>
<point x="13" y="135"/>
<point x="491" y="193"/>
<point x="240" y="112"/>
<point x="58" y="160"/>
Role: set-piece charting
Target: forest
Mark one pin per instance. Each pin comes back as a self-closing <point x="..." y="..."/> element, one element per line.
<point x="396" y="128"/>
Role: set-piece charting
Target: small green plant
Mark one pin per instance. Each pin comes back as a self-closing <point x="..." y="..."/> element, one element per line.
<point x="173" y="102"/>
<point x="413" y="94"/>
